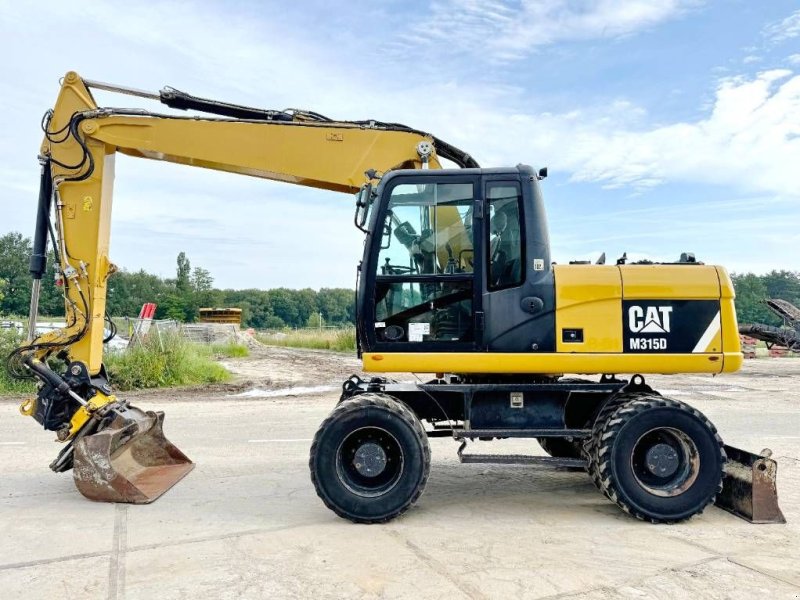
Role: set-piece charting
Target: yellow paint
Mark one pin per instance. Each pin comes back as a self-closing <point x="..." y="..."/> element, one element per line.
<point x="678" y="282"/>
<point x="589" y="297"/>
<point x="84" y="413"/>
<point x="549" y="363"/>
<point x="295" y="152"/>
<point x="731" y="344"/>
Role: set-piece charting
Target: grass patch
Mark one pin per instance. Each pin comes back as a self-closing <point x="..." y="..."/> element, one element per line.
<point x="229" y="350"/>
<point x="168" y="361"/>
<point x="340" y="340"/>
<point x="9" y="339"/>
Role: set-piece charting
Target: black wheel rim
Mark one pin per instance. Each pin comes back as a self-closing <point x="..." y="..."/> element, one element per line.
<point x="369" y="461"/>
<point x="665" y="462"/>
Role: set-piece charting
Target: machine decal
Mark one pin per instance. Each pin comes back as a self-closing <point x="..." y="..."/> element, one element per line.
<point x="670" y="326"/>
<point x="711" y="332"/>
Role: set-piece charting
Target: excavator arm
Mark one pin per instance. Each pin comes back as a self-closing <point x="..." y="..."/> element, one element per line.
<point x="81" y="140"/>
<point x="75" y="206"/>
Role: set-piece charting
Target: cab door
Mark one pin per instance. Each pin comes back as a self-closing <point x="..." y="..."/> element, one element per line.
<point x="425" y="252"/>
<point x="519" y="290"/>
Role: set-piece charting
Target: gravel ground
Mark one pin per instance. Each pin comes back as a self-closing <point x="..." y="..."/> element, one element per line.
<point x="246" y="522"/>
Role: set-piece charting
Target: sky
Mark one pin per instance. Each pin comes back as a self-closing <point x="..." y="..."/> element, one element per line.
<point x="667" y="126"/>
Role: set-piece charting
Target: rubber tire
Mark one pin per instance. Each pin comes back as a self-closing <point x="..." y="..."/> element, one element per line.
<point x="617" y="439"/>
<point x="591" y="443"/>
<point x="561" y="448"/>
<point x="367" y="410"/>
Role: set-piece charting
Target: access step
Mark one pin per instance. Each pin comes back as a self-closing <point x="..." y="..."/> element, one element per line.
<point x="522" y="459"/>
<point x="461" y="434"/>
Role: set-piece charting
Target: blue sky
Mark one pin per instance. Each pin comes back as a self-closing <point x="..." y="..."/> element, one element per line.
<point x="667" y="126"/>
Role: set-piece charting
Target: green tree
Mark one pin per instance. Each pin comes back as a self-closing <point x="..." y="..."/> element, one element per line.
<point x="750" y="295"/>
<point x="15" y="252"/>
<point x="274" y="322"/>
<point x="173" y="306"/>
<point x="126" y="292"/>
<point x="783" y="284"/>
<point x="337" y="305"/>
<point x="306" y="302"/>
<point x="184" y="273"/>
<point x="202" y="281"/>
<point x="285" y="307"/>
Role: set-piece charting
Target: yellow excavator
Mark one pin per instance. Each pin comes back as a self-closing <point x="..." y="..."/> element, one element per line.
<point x="456" y="280"/>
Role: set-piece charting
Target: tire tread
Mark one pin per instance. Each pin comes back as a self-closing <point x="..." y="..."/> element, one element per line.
<point x="398" y="409"/>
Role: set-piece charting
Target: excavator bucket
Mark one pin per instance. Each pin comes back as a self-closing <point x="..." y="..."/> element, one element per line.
<point x="130" y="461"/>
<point x="749" y="487"/>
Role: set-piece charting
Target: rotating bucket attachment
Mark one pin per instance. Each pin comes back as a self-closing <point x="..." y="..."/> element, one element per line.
<point x="130" y="461"/>
<point x="749" y="487"/>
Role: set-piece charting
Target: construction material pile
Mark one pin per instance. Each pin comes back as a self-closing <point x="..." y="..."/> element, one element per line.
<point x="787" y="336"/>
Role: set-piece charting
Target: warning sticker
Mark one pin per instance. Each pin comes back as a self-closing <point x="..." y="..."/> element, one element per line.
<point x="417" y="330"/>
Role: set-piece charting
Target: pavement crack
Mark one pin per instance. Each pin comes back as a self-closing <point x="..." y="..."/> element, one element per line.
<point x="49" y="561"/>
<point x="760" y="572"/>
<point x="440" y="569"/>
<point x="733" y="560"/>
<point x="633" y="581"/>
<point x="220" y="537"/>
<point x="119" y="545"/>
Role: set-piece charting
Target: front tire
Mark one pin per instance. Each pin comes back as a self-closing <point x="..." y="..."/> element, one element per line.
<point x="659" y="459"/>
<point x="370" y="459"/>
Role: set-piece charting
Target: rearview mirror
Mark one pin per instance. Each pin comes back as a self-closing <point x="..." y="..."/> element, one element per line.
<point x="363" y="202"/>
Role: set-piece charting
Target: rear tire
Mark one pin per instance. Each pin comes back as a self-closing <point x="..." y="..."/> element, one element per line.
<point x="561" y="447"/>
<point x="370" y="459"/>
<point x="590" y="444"/>
<point x="659" y="459"/>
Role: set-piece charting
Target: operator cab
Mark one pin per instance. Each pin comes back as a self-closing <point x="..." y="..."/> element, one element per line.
<point x="446" y="247"/>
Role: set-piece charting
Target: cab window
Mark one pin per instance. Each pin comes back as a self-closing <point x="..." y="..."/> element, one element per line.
<point x="504" y="248"/>
<point x="424" y="286"/>
<point x="428" y="230"/>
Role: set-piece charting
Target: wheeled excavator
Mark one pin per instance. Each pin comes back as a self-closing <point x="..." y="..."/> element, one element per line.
<point x="456" y="281"/>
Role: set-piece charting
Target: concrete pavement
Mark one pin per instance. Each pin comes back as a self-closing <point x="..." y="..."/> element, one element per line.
<point x="246" y="522"/>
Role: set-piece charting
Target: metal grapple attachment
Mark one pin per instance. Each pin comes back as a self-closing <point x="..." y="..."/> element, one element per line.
<point x="130" y="461"/>
<point x="749" y="487"/>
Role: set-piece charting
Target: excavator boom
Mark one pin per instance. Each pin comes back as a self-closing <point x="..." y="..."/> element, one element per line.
<point x="119" y="452"/>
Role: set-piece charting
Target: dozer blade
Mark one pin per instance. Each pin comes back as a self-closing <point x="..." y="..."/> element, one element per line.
<point x="749" y="487"/>
<point x="130" y="461"/>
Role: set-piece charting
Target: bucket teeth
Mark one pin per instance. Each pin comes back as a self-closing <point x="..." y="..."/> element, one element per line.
<point x="131" y="461"/>
<point x="749" y="487"/>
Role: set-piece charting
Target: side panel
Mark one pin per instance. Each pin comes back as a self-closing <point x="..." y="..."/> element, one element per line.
<point x="669" y="309"/>
<point x="629" y="319"/>
<point x="729" y="331"/>
<point x="588" y="318"/>
<point x="685" y="282"/>
<point x="550" y="363"/>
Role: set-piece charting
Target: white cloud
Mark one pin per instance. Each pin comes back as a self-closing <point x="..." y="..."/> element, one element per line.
<point x="793" y="59"/>
<point x="750" y="139"/>
<point x="783" y="30"/>
<point x="254" y="233"/>
<point x="505" y="30"/>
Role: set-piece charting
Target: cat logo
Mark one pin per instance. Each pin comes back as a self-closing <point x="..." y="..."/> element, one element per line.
<point x="650" y="319"/>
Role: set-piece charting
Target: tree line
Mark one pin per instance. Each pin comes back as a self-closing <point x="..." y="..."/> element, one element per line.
<point x="176" y="298"/>
<point x="193" y="288"/>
